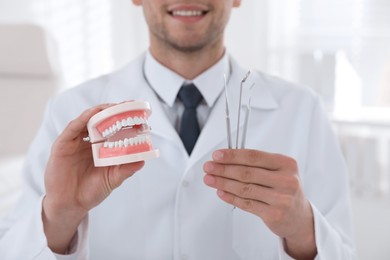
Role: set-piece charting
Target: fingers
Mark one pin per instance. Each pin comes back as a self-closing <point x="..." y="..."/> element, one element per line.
<point x="249" y="157"/>
<point x="118" y="174"/>
<point x="250" y="175"/>
<point x="243" y="174"/>
<point x="265" y="202"/>
<point x="242" y="190"/>
<point x="78" y="125"/>
<point x="254" y="206"/>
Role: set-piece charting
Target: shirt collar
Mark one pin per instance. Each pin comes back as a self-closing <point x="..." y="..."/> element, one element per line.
<point x="167" y="83"/>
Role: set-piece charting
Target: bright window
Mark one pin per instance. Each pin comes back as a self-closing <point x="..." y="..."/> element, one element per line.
<point x="82" y="31"/>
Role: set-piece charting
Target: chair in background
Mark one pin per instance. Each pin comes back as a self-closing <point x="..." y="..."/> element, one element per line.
<point x="28" y="78"/>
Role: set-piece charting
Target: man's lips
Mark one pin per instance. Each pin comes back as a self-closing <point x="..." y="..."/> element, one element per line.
<point x="187" y="11"/>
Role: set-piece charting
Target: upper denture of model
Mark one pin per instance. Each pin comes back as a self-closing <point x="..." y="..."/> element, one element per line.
<point x="125" y="133"/>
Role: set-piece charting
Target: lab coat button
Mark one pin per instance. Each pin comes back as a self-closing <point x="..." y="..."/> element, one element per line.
<point x="186" y="184"/>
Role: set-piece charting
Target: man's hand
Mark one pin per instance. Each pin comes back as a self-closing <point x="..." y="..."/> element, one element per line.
<point x="267" y="185"/>
<point x="73" y="185"/>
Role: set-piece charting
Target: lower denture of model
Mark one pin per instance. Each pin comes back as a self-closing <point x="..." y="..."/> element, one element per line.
<point x="125" y="133"/>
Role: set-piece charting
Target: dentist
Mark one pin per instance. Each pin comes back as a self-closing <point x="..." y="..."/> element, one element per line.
<point x="289" y="188"/>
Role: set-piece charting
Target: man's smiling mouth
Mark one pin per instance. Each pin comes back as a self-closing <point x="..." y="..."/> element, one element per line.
<point x="187" y="13"/>
<point x="187" y="10"/>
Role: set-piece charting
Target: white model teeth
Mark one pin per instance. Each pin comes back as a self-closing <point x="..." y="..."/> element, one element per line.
<point x="187" y="13"/>
<point x="118" y="125"/>
<point x="129" y="122"/>
<point x="137" y="121"/>
<point x="141" y="139"/>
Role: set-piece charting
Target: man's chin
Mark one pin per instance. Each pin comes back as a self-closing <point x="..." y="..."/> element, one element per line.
<point x="187" y="48"/>
<point x="189" y="45"/>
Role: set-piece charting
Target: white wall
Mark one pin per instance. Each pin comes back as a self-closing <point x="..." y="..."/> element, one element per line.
<point x="16" y="10"/>
<point x="129" y="32"/>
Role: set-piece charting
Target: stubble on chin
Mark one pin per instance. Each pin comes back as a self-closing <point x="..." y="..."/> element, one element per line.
<point x="191" y="44"/>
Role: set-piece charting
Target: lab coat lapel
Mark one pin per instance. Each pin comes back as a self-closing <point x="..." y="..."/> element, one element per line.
<point x="130" y="84"/>
<point x="214" y="133"/>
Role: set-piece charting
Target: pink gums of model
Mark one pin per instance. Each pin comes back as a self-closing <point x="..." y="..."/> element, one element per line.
<point x="120" y="134"/>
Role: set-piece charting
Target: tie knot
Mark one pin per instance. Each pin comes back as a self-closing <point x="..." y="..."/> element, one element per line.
<point x="190" y="96"/>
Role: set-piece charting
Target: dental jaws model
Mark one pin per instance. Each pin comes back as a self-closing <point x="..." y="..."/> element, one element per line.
<point x="120" y="134"/>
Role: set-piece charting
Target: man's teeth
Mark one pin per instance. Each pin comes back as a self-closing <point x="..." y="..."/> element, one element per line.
<point x="129" y="122"/>
<point x="141" y="139"/>
<point x="187" y="13"/>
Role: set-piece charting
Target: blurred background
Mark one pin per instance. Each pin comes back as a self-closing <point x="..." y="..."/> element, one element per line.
<point x="340" y="48"/>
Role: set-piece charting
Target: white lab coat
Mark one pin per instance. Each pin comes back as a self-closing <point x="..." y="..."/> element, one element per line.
<point x="165" y="211"/>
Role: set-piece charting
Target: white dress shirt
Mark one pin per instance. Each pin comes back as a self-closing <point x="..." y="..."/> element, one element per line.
<point x="166" y="83"/>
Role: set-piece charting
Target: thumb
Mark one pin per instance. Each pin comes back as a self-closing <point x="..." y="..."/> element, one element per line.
<point x="121" y="172"/>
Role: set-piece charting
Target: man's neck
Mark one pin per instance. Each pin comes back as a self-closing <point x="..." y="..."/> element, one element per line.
<point x="188" y="64"/>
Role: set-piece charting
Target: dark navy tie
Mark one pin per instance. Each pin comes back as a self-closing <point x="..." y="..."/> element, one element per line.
<point x="189" y="128"/>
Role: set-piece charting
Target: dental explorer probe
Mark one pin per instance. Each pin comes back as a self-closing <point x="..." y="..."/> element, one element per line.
<point x="239" y="106"/>
<point x="247" y="115"/>
<point x="229" y="133"/>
